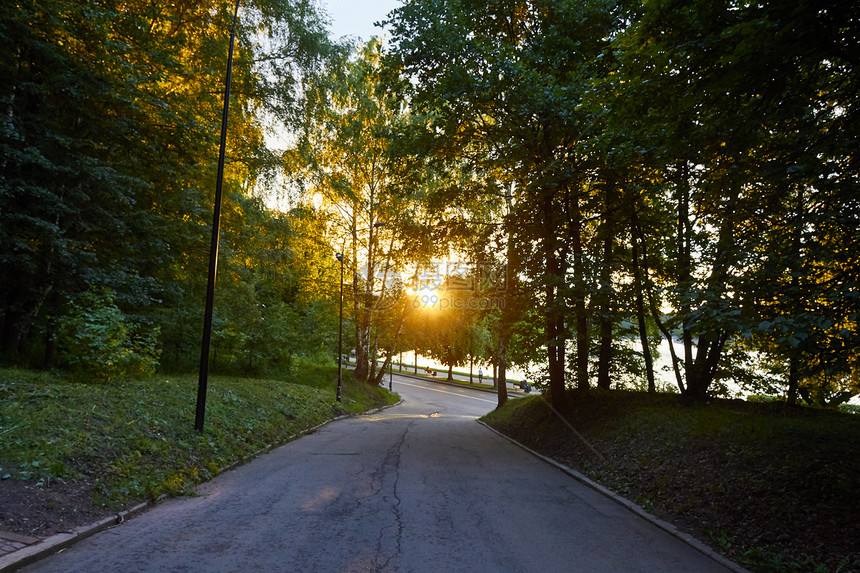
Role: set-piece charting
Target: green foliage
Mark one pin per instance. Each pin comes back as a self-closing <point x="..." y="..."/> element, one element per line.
<point x="693" y="162"/>
<point x="503" y="85"/>
<point x="344" y="159"/>
<point x="701" y="152"/>
<point x="97" y="343"/>
<point x="106" y="151"/>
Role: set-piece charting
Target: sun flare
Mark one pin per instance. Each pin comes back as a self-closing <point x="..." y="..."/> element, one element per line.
<point x="426" y="297"/>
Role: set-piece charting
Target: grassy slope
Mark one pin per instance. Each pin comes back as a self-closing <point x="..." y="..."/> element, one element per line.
<point x="125" y="441"/>
<point x="776" y="489"/>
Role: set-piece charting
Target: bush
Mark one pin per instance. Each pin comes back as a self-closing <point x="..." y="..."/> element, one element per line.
<point x="96" y="342"/>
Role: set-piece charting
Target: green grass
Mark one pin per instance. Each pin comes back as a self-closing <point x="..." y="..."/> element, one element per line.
<point x="774" y="488"/>
<point x="134" y="439"/>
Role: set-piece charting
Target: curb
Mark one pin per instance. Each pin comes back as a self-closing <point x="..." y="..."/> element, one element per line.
<point x="41" y="549"/>
<point x="630" y="506"/>
<point x="56" y="543"/>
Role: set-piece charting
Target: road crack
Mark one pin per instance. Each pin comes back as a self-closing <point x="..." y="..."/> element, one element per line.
<point x="388" y="546"/>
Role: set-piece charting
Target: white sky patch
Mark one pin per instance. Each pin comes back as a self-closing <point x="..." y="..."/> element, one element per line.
<point x="356" y="17"/>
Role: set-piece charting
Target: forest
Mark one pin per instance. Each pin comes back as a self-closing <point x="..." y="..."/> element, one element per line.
<point x="560" y="186"/>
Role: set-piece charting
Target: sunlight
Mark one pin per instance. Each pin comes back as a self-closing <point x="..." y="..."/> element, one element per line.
<point x="427" y="297"/>
<point x="323" y="497"/>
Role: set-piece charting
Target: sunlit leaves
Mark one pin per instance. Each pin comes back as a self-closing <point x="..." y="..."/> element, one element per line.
<point x="111" y="115"/>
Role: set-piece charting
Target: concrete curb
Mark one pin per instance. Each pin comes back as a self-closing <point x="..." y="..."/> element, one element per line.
<point x="41" y="549"/>
<point x="50" y="545"/>
<point x="629" y="505"/>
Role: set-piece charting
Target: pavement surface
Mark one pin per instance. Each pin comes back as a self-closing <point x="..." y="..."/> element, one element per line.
<point x="417" y="487"/>
<point x="11" y="542"/>
<point x="422" y="373"/>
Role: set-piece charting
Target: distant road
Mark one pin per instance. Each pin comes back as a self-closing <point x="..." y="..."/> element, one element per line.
<point x="419" y="487"/>
<point x="443" y="375"/>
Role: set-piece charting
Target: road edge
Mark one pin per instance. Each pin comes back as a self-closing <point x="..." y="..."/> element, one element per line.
<point x="630" y="506"/>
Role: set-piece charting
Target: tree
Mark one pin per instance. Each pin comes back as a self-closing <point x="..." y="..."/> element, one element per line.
<point x="736" y="108"/>
<point x="343" y="158"/>
<point x="107" y="146"/>
<point x="503" y="84"/>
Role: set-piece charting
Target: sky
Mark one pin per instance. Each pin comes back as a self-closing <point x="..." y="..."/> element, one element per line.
<point x="356" y="17"/>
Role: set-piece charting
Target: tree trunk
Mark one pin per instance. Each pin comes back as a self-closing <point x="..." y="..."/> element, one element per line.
<point x="502" y="358"/>
<point x="555" y="350"/>
<point x="10" y="334"/>
<point x="50" y="344"/>
<point x="640" y="312"/>
<point x="378" y="376"/>
<point x="604" y="358"/>
<point x="579" y="298"/>
<point x="700" y="378"/>
<point x="655" y="311"/>
<point x="793" y="378"/>
<point x="796" y="308"/>
<point x="500" y="364"/>
<point x="554" y="304"/>
<point x="362" y="358"/>
<point x="685" y="280"/>
<point x="373" y="361"/>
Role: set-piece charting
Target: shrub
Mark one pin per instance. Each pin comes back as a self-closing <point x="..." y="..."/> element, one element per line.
<point x="96" y="342"/>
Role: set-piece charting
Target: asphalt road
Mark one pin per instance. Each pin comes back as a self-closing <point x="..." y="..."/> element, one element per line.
<point x="419" y="487"/>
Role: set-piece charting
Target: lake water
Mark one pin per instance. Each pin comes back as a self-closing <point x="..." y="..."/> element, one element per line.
<point x="662" y="369"/>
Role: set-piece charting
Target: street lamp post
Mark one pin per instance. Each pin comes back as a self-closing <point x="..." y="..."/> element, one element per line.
<point x="339" y="257"/>
<point x="203" y="379"/>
